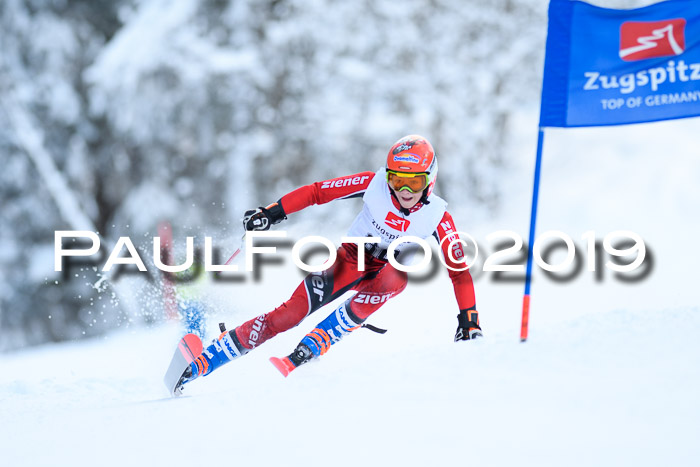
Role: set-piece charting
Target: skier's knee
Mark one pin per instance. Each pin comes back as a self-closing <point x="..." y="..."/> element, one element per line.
<point x="392" y="281"/>
<point x="388" y="283"/>
<point x="372" y="294"/>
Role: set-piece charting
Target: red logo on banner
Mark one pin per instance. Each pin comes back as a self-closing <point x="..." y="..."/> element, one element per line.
<point x="640" y="40"/>
<point x="395" y="222"/>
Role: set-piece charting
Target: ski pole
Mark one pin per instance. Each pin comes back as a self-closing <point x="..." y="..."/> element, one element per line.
<point x="237" y="252"/>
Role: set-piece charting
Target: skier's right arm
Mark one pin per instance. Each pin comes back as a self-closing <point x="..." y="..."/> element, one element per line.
<point x="349" y="186"/>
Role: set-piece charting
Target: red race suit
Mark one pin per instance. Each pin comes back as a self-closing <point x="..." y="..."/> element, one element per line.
<point x="382" y="217"/>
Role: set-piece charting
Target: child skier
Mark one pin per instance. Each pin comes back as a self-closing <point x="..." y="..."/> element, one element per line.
<point x="398" y="201"/>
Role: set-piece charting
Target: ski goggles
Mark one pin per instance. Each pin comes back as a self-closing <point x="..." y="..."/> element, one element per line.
<point x="412" y="182"/>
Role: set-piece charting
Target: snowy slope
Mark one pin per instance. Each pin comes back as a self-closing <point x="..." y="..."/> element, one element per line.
<point x="615" y="388"/>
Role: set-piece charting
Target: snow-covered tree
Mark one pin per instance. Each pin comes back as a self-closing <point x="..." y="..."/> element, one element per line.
<point x="119" y="114"/>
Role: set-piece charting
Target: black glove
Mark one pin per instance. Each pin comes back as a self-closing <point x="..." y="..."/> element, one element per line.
<point x="468" y="327"/>
<point x="263" y="218"/>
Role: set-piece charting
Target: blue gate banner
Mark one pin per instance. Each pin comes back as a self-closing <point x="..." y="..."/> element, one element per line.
<point x="614" y="67"/>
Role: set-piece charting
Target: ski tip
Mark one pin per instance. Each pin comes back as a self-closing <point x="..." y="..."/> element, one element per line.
<point x="284" y="365"/>
<point x="191" y="347"/>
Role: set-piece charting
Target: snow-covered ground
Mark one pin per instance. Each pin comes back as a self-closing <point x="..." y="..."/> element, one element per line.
<point x="616" y="388"/>
<point x="609" y="376"/>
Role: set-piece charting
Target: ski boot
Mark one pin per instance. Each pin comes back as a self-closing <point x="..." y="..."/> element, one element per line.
<point x="222" y="350"/>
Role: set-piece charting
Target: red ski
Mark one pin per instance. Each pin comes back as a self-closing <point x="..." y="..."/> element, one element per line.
<point x="188" y="349"/>
<point x="284" y="365"/>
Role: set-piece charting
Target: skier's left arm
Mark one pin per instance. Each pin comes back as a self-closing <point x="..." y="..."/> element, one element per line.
<point x="453" y="252"/>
